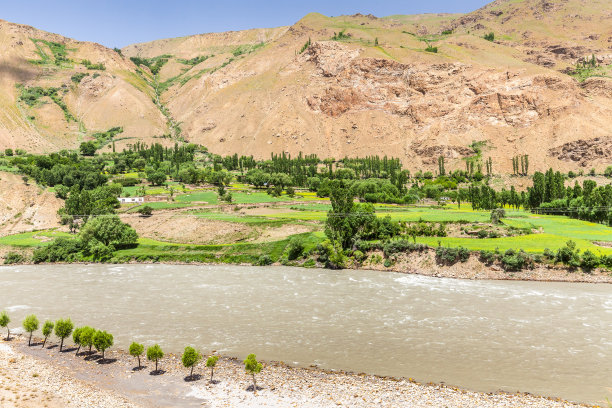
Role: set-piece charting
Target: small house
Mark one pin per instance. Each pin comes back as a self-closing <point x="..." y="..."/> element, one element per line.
<point x="131" y="200"/>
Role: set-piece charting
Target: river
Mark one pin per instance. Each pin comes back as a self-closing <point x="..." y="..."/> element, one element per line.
<point x="551" y="339"/>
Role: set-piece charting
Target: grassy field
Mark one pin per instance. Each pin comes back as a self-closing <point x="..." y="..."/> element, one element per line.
<point x="32" y="239"/>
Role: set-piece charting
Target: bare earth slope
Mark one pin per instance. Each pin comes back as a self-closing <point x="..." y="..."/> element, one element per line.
<point x="371" y="90"/>
<point x="115" y="96"/>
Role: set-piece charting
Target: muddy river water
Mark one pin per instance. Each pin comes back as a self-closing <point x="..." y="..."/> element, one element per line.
<point x="550" y="339"/>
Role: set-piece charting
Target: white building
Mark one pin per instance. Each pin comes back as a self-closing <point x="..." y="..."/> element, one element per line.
<point x="130" y="200"/>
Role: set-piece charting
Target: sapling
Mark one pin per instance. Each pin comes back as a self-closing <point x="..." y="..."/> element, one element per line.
<point x="211" y="362"/>
<point x="102" y="340"/>
<point x="190" y="358"/>
<point x="30" y="324"/>
<point x="46" y="331"/>
<point x="4" y="321"/>
<point x="154" y="353"/>
<point x="86" y="337"/>
<point x="136" y="350"/>
<point x="76" y="338"/>
<point x="252" y="367"/>
<point x="63" y="329"/>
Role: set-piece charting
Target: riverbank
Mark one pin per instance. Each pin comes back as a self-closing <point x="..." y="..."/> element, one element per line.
<point x="33" y="377"/>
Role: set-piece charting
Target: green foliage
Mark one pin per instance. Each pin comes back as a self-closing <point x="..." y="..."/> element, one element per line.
<point x="568" y="255"/>
<point x="431" y="48"/>
<point x="31" y="95"/>
<point x="295" y="248"/>
<point x="155" y="353"/>
<point x="341" y="36"/>
<point x="447" y="32"/>
<point x="190" y="358"/>
<point x="86" y="336"/>
<point x="47" y="330"/>
<point x="247" y="48"/>
<point x="76" y="338"/>
<point x="61" y="250"/>
<point x="136" y="350"/>
<point x="589" y="261"/>
<point x="487" y="257"/>
<point x="88" y="64"/>
<point x="30" y="325"/>
<point x="4" y="322"/>
<point x="211" y="362"/>
<point x="59" y="53"/>
<point x="513" y="260"/>
<point x="102" y="341"/>
<point x="110" y="231"/>
<point x="264" y="260"/>
<point x="63" y="329"/>
<point x="331" y="254"/>
<point x="497" y="214"/>
<point x="88" y="148"/>
<point x="305" y="46"/>
<point x="78" y="77"/>
<point x="146" y="211"/>
<point x="118" y="51"/>
<point x="450" y="256"/>
<point x="403" y="246"/>
<point x="490" y="36"/>
<point x="195" y="60"/>
<point x="13" y="258"/>
<point x="252" y="366"/>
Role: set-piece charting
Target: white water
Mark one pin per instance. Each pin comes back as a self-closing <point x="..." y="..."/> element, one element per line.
<point x="546" y="338"/>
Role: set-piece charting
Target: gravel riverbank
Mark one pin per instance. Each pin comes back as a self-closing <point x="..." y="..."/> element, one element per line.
<point x="36" y="377"/>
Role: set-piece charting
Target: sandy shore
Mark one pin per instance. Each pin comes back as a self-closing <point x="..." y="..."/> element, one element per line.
<point x="36" y="377"/>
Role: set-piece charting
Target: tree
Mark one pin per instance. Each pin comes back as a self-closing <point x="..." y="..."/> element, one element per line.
<point x="136" y="350"/>
<point x="30" y="324"/>
<point x="211" y="362"/>
<point x="102" y="341"/>
<point x="46" y="331"/>
<point x="63" y="329"/>
<point x="76" y="338"/>
<point x="252" y="367"/>
<point x="155" y="353"/>
<point x="88" y="148"/>
<point x="441" y="170"/>
<point x="4" y="321"/>
<point x="146" y="211"/>
<point x="190" y="358"/>
<point x="86" y="337"/>
<point x="109" y="231"/>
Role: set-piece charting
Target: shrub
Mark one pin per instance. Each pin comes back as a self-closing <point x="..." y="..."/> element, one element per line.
<point x="46" y="331"/>
<point x="497" y="214"/>
<point x="331" y="254"/>
<point x="4" y="322"/>
<point x="61" y="250"/>
<point x="606" y="261"/>
<point x="155" y="353"/>
<point x="589" y="261"/>
<point x="487" y="257"/>
<point x="76" y="338"/>
<point x="136" y="350"/>
<point x="146" y="211"/>
<point x="190" y="358"/>
<point x="252" y="367"/>
<point x="13" y="258"/>
<point x="358" y="255"/>
<point x="211" y="362"/>
<point x="264" y="260"/>
<point x="102" y="341"/>
<point x="30" y="324"/>
<point x="513" y="261"/>
<point x="450" y="256"/>
<point x="63" y="329"/>
<point x="294" y="249"/>
<point x="431" y="48"/>
<point x="483" y="234"/>
<point x="568" y="255"/>
<point x="490" y="36"/>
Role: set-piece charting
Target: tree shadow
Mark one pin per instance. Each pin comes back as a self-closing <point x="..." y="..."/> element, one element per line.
<point x="191" y="378"/>
<point x="157" y="372"/>
<point x="68" y="349"/>
<point x="52" y="346"/>
<point x="106" y="360"/>
<point x="214" y="382"/>
<point x="34" y="344"/>
<point x="93" y="357"/>
<point x="139" y="368"/>
<point x="250" y="388"/>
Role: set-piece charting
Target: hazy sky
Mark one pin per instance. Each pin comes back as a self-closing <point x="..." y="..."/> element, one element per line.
<point x="116" y="23"/>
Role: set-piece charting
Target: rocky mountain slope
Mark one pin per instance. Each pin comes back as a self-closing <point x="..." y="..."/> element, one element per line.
<point x="349" y="86"/>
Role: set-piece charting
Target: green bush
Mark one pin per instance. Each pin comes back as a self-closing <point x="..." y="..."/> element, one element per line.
<point x="450" y="256"/>
<point x="47" y="330"/>
<point x="515" y="261"/>
<point x="211" y="362"/>
<point x="13" y="258"/>
<point x="568" y="255"/>
<point x="102" y="341"/>
<point x="264" y="260"/>
<point x="487" y="257"/>
<point x="61" y="250"/>
<point x="155" y="353"/>
<point x="490" y="36"/>
<point x="4" y="322"/>
<point x="589" y="261"/>
<point x="146" y="211"/>
<point x="86" y="337"/>
<point x="295" y="249"/>
<point x="252" y="366"/>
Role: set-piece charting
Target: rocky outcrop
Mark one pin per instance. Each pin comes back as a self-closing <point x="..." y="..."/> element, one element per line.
<point x="584" y="151"/>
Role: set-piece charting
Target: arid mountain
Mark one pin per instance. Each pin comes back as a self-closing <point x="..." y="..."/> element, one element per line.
<point x="349" y="86"/>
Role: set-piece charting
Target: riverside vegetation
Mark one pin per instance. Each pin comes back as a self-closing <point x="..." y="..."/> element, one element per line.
<point x="87" y="336"/>
<point x="359" y="208"/>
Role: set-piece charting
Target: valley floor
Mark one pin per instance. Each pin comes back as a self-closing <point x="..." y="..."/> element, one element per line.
<point x="36" y="377"/>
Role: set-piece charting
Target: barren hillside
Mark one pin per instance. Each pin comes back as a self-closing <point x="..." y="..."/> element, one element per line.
<point x="348" y="86"/>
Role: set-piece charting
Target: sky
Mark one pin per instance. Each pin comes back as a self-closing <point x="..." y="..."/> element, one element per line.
<point x="117" y="23"/>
